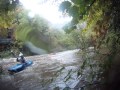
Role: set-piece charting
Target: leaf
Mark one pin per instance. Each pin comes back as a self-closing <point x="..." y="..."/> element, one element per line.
<point x="76" y="1"/>
<point x="65" y="6"/>
<point x="74" y="11"/>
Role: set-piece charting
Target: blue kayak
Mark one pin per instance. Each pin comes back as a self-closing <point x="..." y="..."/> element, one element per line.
<point x="20" y="67"/>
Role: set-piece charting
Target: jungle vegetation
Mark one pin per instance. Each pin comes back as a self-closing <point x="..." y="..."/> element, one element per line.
<point x="102" y="32"/>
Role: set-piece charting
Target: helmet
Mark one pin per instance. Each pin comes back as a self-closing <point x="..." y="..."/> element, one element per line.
<point x="20" y="54"/>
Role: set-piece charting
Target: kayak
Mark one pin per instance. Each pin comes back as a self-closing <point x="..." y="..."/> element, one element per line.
<point x="19" y="67"/>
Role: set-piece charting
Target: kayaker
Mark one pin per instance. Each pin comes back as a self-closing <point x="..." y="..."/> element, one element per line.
<point x="21" y="58"/>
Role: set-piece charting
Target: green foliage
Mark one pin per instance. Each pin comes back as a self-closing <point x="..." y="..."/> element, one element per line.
<point x="31" y="29"/>
<point x="8" y="5"/>
<point x="7" y="12"/>
<point x="74" y="11"/>
<point x="77" y="8"/>
<point x="65" y="6"/>
<point x="67" y="41"/>
<point x="76" y="1"/>
<point x="4" y="54"/>
<point x="38" y="28"/>
<point x="102" y="31"/>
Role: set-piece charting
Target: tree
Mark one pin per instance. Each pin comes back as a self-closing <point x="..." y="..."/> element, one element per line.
<point x="8" y="12"/>
<point x="103" y="28"/>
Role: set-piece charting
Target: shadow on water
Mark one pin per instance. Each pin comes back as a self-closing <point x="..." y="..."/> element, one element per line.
<point x="7" y="86"/>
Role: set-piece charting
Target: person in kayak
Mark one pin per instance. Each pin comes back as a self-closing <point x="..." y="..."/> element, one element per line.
<point x="21" y="58"/>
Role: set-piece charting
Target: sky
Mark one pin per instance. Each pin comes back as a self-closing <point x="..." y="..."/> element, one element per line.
<point x="46" y="9"/>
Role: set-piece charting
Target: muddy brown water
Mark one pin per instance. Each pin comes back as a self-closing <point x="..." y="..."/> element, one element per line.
<point x="45" y="73"/>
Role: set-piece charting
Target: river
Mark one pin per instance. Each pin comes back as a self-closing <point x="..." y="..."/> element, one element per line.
<point x="46" y="68"/>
